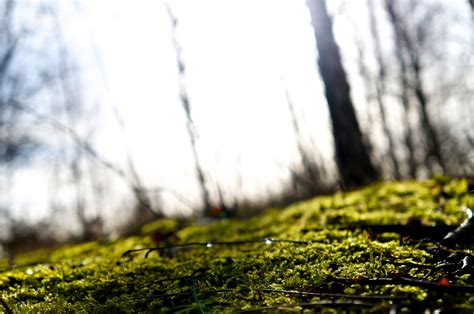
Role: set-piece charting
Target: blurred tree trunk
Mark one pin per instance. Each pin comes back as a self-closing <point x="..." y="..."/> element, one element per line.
<point x="409" y="58"/>
<point x="307" y="181"/>
<point x="352" y="156"/>
<point x="433" y="142"/>
<point x="191" y="127"/>
<point x="404" y="96"/>
<point x="13" y="141"/>
<point x="380" y="90"/>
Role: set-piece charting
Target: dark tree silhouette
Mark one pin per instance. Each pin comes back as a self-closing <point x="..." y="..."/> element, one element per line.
<point x="404" y="94"/>
<point x="16" y="139"/>
<point x="380" y="90"/>
<point x="307" y="177"/>
<point x="352" y="156"/>
<point x="191" y="127"/>
<point x="409" y="55"/>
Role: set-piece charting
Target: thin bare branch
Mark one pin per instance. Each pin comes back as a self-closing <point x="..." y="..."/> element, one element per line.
<point x="210" y="244"/>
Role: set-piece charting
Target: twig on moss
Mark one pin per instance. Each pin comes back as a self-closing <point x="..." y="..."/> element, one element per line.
<point x="410" y="264"/>
<point x="5" y="305"/>
<point x="463" y="233"/>
<point x="400" y="280"/>
<point x="320" y="304"/>
<point x="216" y="243"/>
<point x="187" y="293"/>
<point x="337" y="295"/>
<point x="178" y="278"/>
<point x="10" y="268"/>
<point x="336" y="300"/>
<point x="431" y="268"/>
<point x="413" y="230"/>
<point x="194" y="294"/>
<point x="332" y="296"/>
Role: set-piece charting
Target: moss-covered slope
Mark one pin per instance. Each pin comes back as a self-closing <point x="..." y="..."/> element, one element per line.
<point x="357" y="251"/>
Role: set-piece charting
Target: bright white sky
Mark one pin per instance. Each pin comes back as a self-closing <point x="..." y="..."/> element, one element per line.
<point x="238" y="55"/>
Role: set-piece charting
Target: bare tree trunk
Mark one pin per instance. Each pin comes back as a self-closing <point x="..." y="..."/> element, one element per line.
<point x="409" y="60"/>
<point x="73" y="106"/>
<point x="379" y="160"/>
<point x="310" y="178"/>
<point x="191" y="128"/>
<point x="380" y="90"/>
<point x="434" y="146"/>
<point x="9" y="145"/>
<point x="352" y="157"/>
<point x="412" y="164"/>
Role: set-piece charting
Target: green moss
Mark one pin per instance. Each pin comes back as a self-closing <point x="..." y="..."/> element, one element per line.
<point x="94" y="277"/>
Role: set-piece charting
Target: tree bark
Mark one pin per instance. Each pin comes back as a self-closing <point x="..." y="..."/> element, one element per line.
<point x="352" y="157"/>
<point x="311" y="179"/>
<point x="409" y="58"/>
<point x="380" y="90"/>
<point x="404" y="85"/>
<point x="191" y="128"/>
<point x="432" y="138"/>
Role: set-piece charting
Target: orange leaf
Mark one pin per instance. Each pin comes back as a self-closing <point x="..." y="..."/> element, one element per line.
<point x="443" y="282"/>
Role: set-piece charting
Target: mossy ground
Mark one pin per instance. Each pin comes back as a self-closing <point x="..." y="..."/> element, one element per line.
<point x="95" y="277"/>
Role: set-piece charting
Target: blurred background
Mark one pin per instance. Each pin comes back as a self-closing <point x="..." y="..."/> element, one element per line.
<point x="116" y="112"/>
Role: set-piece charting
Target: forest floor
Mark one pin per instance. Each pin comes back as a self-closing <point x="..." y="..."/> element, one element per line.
<point x="376" y="249"/>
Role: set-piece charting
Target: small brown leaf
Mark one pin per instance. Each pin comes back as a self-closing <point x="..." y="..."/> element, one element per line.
<point x="359" y="279"/>
<point x="443" y="281"/>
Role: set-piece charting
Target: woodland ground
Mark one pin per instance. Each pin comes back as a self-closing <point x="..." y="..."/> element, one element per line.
<point x="374" y="249"/>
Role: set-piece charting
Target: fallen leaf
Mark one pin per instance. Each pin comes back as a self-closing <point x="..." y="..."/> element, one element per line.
<point x="443" y="281"/>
